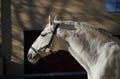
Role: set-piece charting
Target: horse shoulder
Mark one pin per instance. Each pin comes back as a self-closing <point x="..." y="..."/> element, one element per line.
<point x="108" y="66"/>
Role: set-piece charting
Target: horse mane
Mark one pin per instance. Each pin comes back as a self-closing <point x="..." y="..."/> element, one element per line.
<point x="92" y="28"/>
<point x="96" y="32"/>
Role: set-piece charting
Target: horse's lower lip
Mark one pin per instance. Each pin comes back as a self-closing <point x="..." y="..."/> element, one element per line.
<point x="34" y="59"/>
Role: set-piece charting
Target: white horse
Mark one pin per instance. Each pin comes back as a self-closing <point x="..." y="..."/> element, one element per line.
<point x="94" y="48"/>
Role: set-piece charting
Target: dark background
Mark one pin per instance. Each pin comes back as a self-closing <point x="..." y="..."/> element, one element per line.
<point x="61" y="61"/>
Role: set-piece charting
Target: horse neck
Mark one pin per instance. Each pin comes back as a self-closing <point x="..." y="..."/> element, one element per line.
<point x="84" y="55"/>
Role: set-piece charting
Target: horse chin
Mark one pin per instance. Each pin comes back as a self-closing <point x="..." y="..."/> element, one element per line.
<point x="34" y="60"/>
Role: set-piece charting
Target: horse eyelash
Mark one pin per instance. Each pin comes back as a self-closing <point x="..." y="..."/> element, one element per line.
<point x="44" y="34"/>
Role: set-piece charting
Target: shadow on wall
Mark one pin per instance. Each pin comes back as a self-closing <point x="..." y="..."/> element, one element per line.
<point x="9" y="67"/>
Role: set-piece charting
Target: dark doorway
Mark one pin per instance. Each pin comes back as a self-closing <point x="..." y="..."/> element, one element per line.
<point x="61" y="61"/>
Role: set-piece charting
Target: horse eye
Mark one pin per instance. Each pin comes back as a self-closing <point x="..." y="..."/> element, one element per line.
<point x="43" y="34"/>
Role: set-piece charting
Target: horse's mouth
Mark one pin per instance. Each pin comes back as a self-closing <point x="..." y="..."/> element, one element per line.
<point x="34" y="60"/>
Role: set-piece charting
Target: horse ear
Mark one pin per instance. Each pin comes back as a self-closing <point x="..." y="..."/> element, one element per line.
<point x="55" y="20"/>
<point x="49" y="20"/>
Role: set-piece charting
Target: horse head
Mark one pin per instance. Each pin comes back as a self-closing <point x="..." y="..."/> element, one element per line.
<point x="46" y="43"/>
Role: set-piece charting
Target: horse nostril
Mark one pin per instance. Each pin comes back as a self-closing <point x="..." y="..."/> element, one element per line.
<point x="29" y="56"/>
